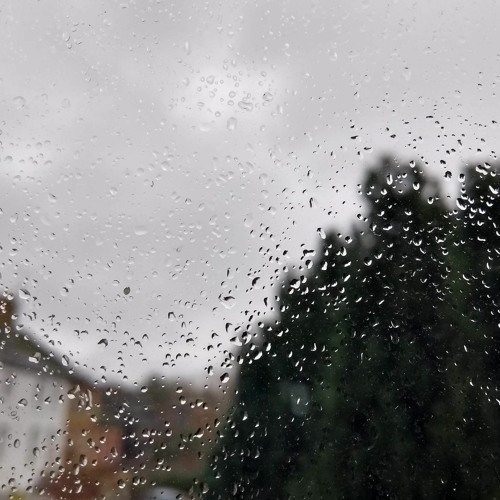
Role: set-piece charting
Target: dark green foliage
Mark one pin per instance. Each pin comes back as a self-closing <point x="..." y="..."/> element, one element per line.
<point x="392" y="341"/>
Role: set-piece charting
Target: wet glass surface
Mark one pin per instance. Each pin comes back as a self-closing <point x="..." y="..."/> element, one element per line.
<point x="249" y="250"/>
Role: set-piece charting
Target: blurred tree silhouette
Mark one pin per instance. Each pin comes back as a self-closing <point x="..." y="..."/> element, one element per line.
<point x="376" y="435"/>
<point x="380" y="378"/>
<point x="474" y="316"/>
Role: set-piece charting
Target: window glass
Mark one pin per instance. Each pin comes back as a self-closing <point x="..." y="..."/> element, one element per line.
<point x="250" y="249"/>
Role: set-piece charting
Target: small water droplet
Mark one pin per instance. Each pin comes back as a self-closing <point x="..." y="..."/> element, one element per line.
<point x="19" y="102"/>
<point x="228" y="301"/>
<point x="255" y="283"/>
<point x="232" y="124"/>
<point x="461" y="203"/>
<point x="247" y="106"/>
<point x="35" y="358"/>
<point x="205" y="127"/>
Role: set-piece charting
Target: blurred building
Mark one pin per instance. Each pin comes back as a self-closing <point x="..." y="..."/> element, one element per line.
<point x="33" y="409"/>
<point x="56" y="437"/>
<point x="63" y="437"/>
<point x="93" y="451"/>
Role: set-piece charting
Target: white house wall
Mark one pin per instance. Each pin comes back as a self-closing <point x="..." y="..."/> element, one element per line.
<point x="33" y="414"/>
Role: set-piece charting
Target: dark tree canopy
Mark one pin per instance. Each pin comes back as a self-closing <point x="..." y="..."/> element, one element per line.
<point x="381" y="377"/>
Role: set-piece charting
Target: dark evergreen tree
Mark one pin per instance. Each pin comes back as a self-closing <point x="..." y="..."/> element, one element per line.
<point x="382" y="390"/>
<point x="474" y="366"/>
<point x="380" y="378"/>
<point x="266" y="434"/>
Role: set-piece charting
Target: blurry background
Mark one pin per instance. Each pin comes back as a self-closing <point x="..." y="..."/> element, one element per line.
<point x="169" y="148"/>
<point x="172" y="171"/>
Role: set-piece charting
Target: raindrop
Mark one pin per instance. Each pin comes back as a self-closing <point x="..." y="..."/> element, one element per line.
<point x="461" y="203"/>
<point x="255" y="282"/>
<point x="228" y="301"/>
<point x="35" y="358"/>
<point x="247" y="106"/>
<point x="205" y="127"/>
<point x="232" y="123"/>
<point x="19" y="102"/>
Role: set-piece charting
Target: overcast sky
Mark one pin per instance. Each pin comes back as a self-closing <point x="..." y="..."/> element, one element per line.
<point x="157" y="157"/>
